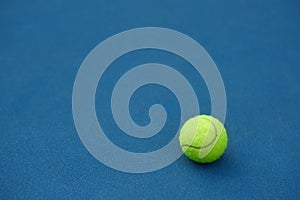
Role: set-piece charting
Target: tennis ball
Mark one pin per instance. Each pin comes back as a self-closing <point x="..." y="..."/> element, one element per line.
<point x="203" y="139"/>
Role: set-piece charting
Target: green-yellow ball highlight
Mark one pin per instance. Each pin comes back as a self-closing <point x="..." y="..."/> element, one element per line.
<point x="203" y="139"/>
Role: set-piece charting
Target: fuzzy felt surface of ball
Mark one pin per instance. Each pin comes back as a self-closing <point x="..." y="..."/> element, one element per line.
<point x="203" y="139"/>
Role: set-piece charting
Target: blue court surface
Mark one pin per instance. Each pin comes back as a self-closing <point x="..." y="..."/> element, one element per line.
<point x="255" y="45"/>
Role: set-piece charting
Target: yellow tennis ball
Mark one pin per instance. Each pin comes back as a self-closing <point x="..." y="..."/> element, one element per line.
<point x="203" y="138"/>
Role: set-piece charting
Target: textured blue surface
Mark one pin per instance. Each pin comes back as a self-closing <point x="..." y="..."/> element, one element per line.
<point x="255" y="45"/>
